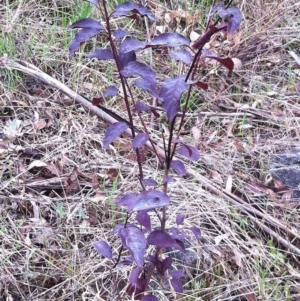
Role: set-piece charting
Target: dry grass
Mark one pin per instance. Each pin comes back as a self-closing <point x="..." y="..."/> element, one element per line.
<point x="57" y="184"/>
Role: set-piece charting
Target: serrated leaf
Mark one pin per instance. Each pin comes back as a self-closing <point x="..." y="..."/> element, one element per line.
<point x="181" y="55"/>
<point x="130" y="44"/>
<point x="114" y="131"/>
<point x="81" y="37"/>
<point x="120" y="33"/>
<point x="177" y="286"/>
<point x="170" y="94"/>
<point x="103" y="248"/>
<point x="139" y="69"/>
<point x="149" y="298"/>
<point x="127" y="57"/>
<point x="125" y="8"/>
<point x="162" y="239"/>
<point x="101" y="54"/>
<point x="139" y="140"/>
<point x="134" y="240"/>
<point x="189" y="152"/>
<point x="180" y="218"/>
<point x="150" y="182"/>
<point x="169" y="40"/>
<point x="178" y="167"/>
<point x="144" y="219"/>
<point x="197" y="232"/>
<point x="86" y="23"/>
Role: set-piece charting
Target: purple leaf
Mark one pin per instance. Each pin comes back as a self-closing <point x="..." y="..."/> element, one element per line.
<point x="226" y="62"/>
<point x="150" y="199"/>
<point x="170" y="94"/>
<point x="139" y="140"/>
<point x="130" y="44"/>
<point x="110" y="91"/>
<point x="151" y="258"/>
<point x="125" y="8"/>
<point x="177" y="274"/>
<point x="134" y="240"/>
<point x="127" y="57"/>
<point x="146" y="200"/>
<point x="178" y="167"/>
<point x="81" y="37"/>
<point x="118" y="227"/>
<point x="141" y="106"/>
<point x="166" y="264"/>
<point x="162" y="239"/>
<point x="86" y="23"/>
<point x="168" y="180"/>
<point x="181" y="55"/>
<point x="178" y="288"/>
<point x="120" y="33"/>
<point x="176" y="234"/>
<point x="127" y="261"/>
<point x="149" y="298"/>
<point x="201" y="85"/>
<point x="197" y="232"/>
<point x="189" y="152"/>
<point x="94" y="2"/>
<point x="234" y="17"/>
<point x="138" y="289"/>
<point x="144" y="219"/>
<point x="147" y="86"/>
<point x="97" y="100"/>
<point x="232" y="14"/>
<point x="101" y="54"/>
<point x="180" y="244"/>
<point x="134" y="275"/>
<point x="103" y="248"/>
<point x="170" y="40"/>
<point x="180" y="219"/>
<point x="139" y="69"/>
<point x="114" y="131"/>
<point x="150" y="182"/>
<point x="126" y="200"/>
<point x="216" y="8"/>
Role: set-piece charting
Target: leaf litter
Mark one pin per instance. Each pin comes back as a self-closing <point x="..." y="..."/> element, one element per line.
<point x="76" y="153"/>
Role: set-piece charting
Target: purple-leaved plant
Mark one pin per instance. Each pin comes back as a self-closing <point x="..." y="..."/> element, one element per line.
<point x="137" y="233"/>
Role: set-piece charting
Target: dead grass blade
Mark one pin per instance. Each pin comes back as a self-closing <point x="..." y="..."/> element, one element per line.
<point x="265" y="222"/>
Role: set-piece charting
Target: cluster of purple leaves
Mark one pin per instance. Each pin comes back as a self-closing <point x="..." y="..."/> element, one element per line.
<point x="136" y="237"/>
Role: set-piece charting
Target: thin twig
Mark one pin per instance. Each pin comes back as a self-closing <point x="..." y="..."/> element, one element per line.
<point x="235" y="201"/>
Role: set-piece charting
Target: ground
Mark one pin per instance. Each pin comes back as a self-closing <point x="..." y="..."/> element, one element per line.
<point x="58" y="184"/>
